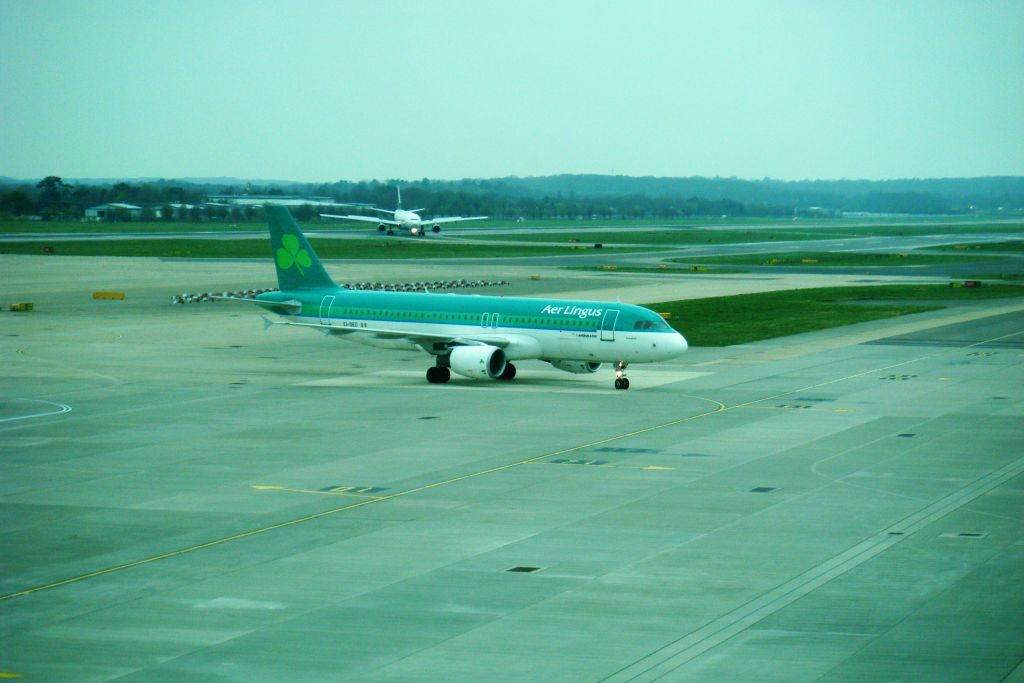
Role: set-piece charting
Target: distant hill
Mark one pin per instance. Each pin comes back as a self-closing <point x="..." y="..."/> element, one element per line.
<point x="220" y="180"/>
<point x="829" y="193"/>
<point x="582" y="194"/>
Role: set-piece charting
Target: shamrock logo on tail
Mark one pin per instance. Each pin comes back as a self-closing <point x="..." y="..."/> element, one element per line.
<point x="290" y="255"/>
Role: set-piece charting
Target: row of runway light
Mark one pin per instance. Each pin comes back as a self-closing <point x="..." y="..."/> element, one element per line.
<point x="204" y="297"/>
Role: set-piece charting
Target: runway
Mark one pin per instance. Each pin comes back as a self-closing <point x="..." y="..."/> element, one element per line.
<point x="188" y="497"/>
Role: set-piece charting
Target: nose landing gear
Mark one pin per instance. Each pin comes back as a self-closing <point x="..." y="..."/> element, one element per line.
<point x="621" y="381"/>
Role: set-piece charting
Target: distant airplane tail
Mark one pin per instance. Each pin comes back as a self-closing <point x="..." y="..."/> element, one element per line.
<point x="297" y="264"/>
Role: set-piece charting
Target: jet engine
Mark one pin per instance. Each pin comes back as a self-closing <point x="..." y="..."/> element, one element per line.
<point x="382" y="227"/>
<point x="436" y="228"/>
<point x="477" y="362"/>
<point x="576" y="367"/>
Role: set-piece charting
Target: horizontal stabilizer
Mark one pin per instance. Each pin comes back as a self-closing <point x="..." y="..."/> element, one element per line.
<point x="291" y="306"/>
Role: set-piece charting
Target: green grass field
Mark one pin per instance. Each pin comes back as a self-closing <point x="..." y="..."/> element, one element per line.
<point x="15" y="227"/>
<point x="675" y="236"/>
<point x="1014" y="246"/>
<point x="826" y="259"/>
<point x="658" y="271"/>
<point x="20" y="226"/>
<point x="1008" y="277"/>
<point x="372" y="248"/>
<point x="953" y="226"/>
<point x="784" y="228"/>
<point x="724" y="321"/>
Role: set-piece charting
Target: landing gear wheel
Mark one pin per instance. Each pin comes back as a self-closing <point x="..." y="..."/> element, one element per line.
<point x="438" y="375"/>
<point x="391" y="231"/>
<point x="621" y="382"/>
<point x="508" y="373"/>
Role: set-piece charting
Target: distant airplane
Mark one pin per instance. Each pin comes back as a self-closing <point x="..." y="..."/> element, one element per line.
<point x="473" y="336"/>
<point x="404" y="220"/>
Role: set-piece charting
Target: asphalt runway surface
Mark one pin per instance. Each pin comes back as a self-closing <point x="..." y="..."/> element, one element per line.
<point x="186" y="496"/>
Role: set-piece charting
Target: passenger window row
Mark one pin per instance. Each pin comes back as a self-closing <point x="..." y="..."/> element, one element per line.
<point x="469" y="318"/>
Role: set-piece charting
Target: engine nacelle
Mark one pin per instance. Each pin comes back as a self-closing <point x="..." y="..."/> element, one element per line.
<point x="382" y="227"/>
<point x="477" y="362"/>
<point x="436" y="228"/>
<point x="576" y="367"/>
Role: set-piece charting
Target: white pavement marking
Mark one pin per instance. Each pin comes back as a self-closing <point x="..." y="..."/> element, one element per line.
<point x="669" y="658"/>
<point x="61" y="409"/>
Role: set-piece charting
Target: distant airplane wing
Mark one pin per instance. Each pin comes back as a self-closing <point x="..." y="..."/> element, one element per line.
<point x="452" y="219"/>
<point x="365" y="219"/>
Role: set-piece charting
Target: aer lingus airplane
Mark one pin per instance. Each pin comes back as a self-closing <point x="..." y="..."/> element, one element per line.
<point x="404" y="220"/>
<point x="470" y="335"/>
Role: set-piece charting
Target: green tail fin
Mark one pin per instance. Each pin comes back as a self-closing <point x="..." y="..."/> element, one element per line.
<point x="297" y="264"/>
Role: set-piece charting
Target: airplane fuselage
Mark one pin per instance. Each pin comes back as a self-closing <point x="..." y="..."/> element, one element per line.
<point x="409" y="220"/>
<point x="545" y="329"/>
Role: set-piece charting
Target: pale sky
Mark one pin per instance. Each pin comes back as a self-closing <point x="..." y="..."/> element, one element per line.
<point x="355" y="90"/>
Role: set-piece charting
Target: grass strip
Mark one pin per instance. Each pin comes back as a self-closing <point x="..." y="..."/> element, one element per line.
<point x="657" y="271"/>
<point x="675" y="236"/>
<point x="378" y="248"/>
<point x="729" y="320"/>
<point x="839" y="259"/>
<point x="15" y="225"/>
<point x="1014" y="246"/>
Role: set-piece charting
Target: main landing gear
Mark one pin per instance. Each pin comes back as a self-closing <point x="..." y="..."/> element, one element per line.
<point x="438" y="374"/>
<point x="621" y="381"/>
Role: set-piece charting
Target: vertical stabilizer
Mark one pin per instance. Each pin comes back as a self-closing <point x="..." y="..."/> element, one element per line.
<point x="297" y="264"/>
<point x="397" y="187"/>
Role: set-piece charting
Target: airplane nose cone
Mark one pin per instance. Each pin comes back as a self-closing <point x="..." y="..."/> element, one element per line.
<point x="679" y="343"/>
<point x="671" y="345"/>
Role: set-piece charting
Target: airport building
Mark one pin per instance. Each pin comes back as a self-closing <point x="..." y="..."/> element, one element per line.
<point x="109" y="211"/>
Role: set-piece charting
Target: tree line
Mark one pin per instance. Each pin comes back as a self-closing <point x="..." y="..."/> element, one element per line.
<point x="550" y="197"/>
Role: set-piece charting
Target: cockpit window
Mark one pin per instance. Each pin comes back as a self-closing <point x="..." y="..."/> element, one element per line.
<point x="657" y="324"/>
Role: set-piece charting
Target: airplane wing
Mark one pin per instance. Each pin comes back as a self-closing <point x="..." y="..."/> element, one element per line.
<point x="421" y="338"/>
<point x="452" y="219"/>
<point x="365" y="219"/>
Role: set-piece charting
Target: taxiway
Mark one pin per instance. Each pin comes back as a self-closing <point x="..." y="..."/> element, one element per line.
<point x="187" y="497"/>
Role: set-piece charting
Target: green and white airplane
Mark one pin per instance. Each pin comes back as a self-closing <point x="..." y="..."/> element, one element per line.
<point x="473" y="336"/>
